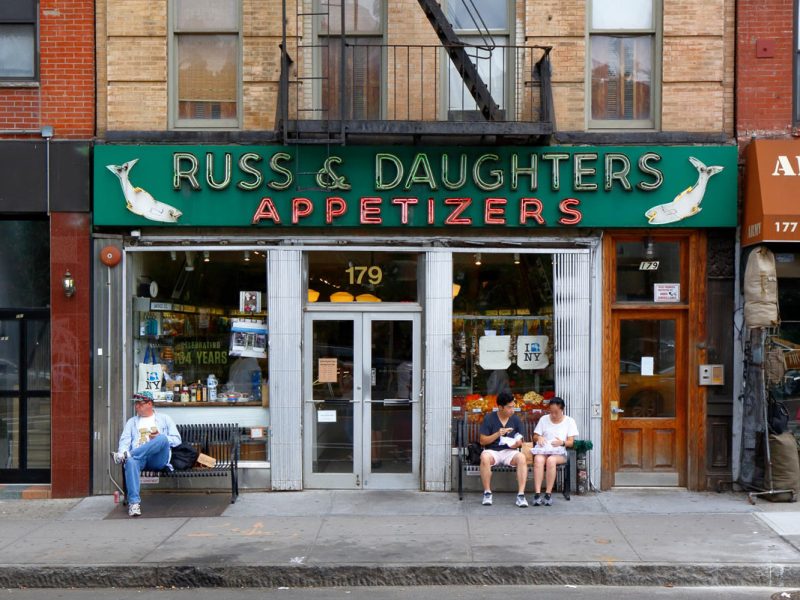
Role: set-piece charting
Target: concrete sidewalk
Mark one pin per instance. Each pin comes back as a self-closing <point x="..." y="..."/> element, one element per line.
<point x="331" y="538"/>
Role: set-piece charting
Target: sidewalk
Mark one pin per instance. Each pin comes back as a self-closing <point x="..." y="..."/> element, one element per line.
<point x="331" y="538"/>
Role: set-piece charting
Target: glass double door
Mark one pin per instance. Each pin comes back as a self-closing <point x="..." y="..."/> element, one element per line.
<point x="362" y="392"/>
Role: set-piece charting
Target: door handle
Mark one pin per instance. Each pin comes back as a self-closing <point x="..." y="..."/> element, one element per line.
<point x="615" y="410"/>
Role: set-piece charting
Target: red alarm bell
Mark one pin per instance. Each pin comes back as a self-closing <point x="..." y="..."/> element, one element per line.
<point x="110" y="256"/>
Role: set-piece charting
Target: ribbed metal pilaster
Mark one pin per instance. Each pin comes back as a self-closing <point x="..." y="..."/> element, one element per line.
<point x="284" y="272"/>
<point x="572" y="285"/>
<point x="438" y="369"/>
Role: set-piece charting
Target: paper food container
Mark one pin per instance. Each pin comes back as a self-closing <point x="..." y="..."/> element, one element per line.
<point x="206" y="461"/>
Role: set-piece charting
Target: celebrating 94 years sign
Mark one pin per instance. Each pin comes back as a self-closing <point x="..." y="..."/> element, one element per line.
<point x="506" y="187"/>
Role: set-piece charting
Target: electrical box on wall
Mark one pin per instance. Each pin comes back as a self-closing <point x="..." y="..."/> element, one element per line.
<point x="712" y="375"/>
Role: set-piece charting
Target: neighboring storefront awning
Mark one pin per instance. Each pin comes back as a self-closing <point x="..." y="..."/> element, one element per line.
<point x="772" y="192"/>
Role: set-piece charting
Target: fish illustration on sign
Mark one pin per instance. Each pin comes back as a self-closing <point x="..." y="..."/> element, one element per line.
<point x="140" y="202"/>
<point x="687" y="203"/>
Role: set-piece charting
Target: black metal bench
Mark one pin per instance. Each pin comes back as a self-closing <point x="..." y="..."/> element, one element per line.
<point x="467" y="433"/>
<point x="220" y="441"/>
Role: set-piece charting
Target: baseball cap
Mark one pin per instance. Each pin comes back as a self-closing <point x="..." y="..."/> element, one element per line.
<point x="143" y="397"/>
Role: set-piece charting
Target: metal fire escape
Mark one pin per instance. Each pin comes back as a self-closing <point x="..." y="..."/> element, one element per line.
<point x="459" y="56"/>
<point x="323" y="99"/>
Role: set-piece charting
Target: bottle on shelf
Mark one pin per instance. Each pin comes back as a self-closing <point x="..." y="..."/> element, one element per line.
<point x="211" y="382"/>
<point x="185" y="393"/>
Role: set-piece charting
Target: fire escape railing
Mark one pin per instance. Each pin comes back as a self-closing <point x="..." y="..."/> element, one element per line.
<point x="412" y="83"/>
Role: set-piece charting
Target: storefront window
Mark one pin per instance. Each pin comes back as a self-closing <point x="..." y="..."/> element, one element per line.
<point x="649" y="270"/>
<point x="787" y="266"/>
<point x="363" y="277"/>
<point x="502" y="330"/>
<point x="24" y="264"/>
<point x="200" y="334"/>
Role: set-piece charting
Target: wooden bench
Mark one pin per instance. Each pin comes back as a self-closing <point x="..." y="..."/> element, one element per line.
<point x="220" y="441"/>
<point x="467" y="433"/>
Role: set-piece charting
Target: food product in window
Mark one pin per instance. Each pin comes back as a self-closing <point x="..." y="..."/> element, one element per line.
<point x="532" y="399"/>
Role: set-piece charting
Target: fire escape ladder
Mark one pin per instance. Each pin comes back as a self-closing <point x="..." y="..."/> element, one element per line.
<point x="461" y="60"/>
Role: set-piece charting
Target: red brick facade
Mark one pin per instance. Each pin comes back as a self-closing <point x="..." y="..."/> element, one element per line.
<point x="764" y="83"/>
<point x="64" y="97"/>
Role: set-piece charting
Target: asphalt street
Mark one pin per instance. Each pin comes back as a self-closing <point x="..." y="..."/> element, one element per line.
<point x="421" y="593"/>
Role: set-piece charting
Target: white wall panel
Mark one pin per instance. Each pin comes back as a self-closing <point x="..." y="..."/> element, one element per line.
<point x="438" y="368"/>
<point x="284" y="285"/>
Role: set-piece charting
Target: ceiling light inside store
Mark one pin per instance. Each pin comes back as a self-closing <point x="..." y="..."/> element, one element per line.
<point x="341" y="297"/>
<point x="367" y="298"/>
<point x="173" y="255"/>
<point x="478" y="259"/>
<point x="247" y="256"/>
<point x="189" y="266"/>
<point x="206" y="257"/>
<point x="516" y="258"/>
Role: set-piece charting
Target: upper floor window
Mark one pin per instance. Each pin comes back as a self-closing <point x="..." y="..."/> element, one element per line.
<point x="485" y="26"/>
<point x="18" y="59"/>
<point x="356" y="83"/>
<point x="205" y="68"/>
<point x="623" y="39"/>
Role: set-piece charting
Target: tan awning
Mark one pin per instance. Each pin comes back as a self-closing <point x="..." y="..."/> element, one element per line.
<point x="772" y="192"/>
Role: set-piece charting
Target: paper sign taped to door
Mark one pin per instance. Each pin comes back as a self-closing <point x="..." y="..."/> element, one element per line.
<point x="326" y="416"/>
<point x="327" y="370"/>
<point x="647" y="366"/>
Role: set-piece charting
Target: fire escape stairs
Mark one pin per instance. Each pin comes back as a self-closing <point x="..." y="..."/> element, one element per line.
<point x="460" y="59"/>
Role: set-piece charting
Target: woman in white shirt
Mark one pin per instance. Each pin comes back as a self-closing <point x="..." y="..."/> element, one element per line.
<point x="554" y="433"/>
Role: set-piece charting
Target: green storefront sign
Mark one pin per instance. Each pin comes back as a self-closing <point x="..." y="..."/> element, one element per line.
<point x="368" y="186"/>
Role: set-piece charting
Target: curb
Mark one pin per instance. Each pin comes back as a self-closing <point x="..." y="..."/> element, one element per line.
<point x="270" y="576"/>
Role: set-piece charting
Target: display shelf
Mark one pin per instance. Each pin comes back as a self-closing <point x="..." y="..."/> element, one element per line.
<point x="204" y="404"/>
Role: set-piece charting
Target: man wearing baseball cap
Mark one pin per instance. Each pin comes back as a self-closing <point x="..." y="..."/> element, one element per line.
<point x="145" y="444"/>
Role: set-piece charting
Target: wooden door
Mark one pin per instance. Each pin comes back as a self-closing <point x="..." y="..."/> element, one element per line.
<point x="648" y="402"/>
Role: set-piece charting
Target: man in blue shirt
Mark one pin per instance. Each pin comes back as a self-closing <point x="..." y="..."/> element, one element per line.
<point x="145" y="444"/>
<point x="501" y="436"/>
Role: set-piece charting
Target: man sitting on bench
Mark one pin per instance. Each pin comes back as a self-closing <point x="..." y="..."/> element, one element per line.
<point x="501" y="436"/>
<point x="145" y="444"/>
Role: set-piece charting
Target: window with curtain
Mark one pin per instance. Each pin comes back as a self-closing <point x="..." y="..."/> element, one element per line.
<point x="484" y="25"/>
<point x="18" y="60"/>
<point x="205" y="75"/>
<point x="359" y="77"/>
<point x="623" y="38"/>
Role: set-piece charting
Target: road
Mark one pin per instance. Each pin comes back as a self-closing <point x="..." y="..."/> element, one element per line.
<point x="421" y="593"/>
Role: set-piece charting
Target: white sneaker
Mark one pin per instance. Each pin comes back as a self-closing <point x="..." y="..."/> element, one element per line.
<point x="487" y="498"/>
<point x="521" y="501"/>
<point x="120" y="457"/>
<point x="135" y="510"/>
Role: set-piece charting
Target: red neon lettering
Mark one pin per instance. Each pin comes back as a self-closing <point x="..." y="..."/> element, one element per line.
<point x="455" y="218"/>
<point x="403" y="204"/>
<point x="566" y="207"/>
<point x="301" y="207"/>
<point x="334" y="207"/>
<point x="371" y="211"/>
<point x="430" y="211"/>
<point x="530" y="208"/>
<point x="266" y="210"/>
<point x="494" y="211"/>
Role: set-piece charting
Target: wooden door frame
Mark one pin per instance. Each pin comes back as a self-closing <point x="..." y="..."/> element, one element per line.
<point x="693" y="276"/>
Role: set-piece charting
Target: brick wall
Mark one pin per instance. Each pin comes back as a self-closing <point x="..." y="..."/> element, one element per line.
<point x="764" y="85"/>
<point x="64" y="94"/>
<point x="696" y="89"/>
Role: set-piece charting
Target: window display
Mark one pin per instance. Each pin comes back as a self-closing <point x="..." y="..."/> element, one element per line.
<point x="200" y="336"/>
<point x="502" y="331"/>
